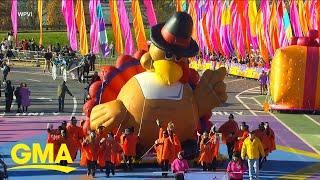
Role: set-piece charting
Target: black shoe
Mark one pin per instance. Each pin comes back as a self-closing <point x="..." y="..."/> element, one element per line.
<point x="93" y="174"/>
<point x="112" y="171"/>
<point x="88" y="173"/>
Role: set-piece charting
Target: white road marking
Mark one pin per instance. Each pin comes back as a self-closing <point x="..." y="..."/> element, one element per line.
<point x="239" y="113"/>
<point x="74" y="106"/>
<point x="312" y="119"/>
<point x="33" y="80"/>
<point x="44" y="98"/>
<point x="234" y="80"/>
<point x="258" y="111"/>
<point x="33" y="114"/>
<point x="245" y="105"/>
<point x="33" y="73"/>
<point x="39" y="73"/>
<point x="315" y="150"/>
<point x="223" y="113"/>
<point x="245" y="97"/>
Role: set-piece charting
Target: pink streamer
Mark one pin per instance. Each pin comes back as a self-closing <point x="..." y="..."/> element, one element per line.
<point x="294" y="17"/>
<point x="210" y="21"/>
<point x="125" y="26"/>
<point x="282" y="34"/>
<point x="265" y="8"/>
<point x="313" y="15"/>
<point x="94" y="28"/>
<point x="239" y="37"/>
<point x="67" y="10"/>
<point x="150" y="12"/>
<point x="224" y="29"/>
<point x="217" y="22"/>
<point x="14" y="17"/>
<point x="201" y="42"/>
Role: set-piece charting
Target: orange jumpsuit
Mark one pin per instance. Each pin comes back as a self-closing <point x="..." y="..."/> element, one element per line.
<point x="129" y="144"/>
<point x="243" y="135"/>
<point x="176" y="141"/>
<point x="76" y="134"/>
<point x="206" y="149"/>
<point x="109" y="149"/>
<point x="228" y="128"/>
<point x="165" y="150"/>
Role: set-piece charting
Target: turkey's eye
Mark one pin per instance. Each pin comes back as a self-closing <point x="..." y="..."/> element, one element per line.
<point x="178" y="58"/>
<point x="168" y="56"/>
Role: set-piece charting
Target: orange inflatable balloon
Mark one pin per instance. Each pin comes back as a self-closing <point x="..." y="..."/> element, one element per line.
<point x="87" y="107"/>
<point x="94" y="88"/>
<point x="127" y="65"/>
<point x="138" y="54"/>
<point x="186" y="72"/>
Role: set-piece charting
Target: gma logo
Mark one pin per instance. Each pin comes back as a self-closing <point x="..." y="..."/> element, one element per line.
<point x="40" y="159"/>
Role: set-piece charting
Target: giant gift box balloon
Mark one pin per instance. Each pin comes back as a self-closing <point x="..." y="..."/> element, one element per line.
<point x="295" y="75"/>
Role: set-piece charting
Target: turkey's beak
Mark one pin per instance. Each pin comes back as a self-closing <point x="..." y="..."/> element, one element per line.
<point x="168" y="71"/>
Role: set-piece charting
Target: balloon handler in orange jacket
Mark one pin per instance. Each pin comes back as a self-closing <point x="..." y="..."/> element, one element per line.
<point x="60" y="139"/>
<point x="206" y="149"/>
<point x="129" y="144"/>
<point x="170" y="130"/>
<point x="76" y="134"/>
<point x="229" y="130"/>
<point x="214" y="137"/>
<point x="109" y="148"/>
<point x="266" y="143"/>
<point x="242" y="134"/>
<point x="90" y="147"/>
<point x="165" y="151"/>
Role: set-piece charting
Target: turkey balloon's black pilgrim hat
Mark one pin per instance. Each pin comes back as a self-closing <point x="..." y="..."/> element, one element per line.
<point x="174" y="36"/>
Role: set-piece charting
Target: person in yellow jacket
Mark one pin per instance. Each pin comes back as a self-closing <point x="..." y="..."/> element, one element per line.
<point x="252" y="149"/>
